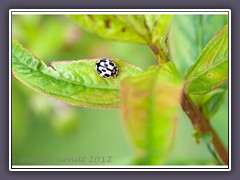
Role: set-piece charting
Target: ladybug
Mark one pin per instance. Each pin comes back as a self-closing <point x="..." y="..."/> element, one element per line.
<point x="106" y="68"/>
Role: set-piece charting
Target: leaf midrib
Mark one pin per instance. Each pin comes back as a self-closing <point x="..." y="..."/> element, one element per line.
<point x="47" y="93"/>
<point x="64" y="80"/>
<point x="150" y="109"/>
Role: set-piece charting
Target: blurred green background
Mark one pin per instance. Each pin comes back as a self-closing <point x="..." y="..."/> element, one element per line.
<point x="43" y="128"/>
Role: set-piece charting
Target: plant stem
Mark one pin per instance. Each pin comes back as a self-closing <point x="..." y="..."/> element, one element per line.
<point x="202" y="125"/>
<point x="158" y="53"/>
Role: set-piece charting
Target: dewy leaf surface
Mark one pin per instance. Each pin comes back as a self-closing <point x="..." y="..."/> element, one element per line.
<point x="150" y="103"/>
<point x="211" y="68"/>
<point x="72" y="82"/>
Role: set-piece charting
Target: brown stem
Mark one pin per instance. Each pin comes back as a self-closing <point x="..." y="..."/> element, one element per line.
<point x="158" y="53"/>
<point x="201" y="124"/>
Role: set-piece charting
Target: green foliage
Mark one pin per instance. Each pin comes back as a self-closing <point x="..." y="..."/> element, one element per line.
<point x="194" y="32"/>
<point x="211" y="68"/>
<point x="209" y="103"/>
<point x="212" y="101"/>
<point x="189" y="35"/>
<point x="146" y="29"/>
<point x="149" y="99"/>
<point x="73" y="82"/>
<point x="207" y="139"/>
<point x="158" y="26"/>
<point x="113" y="27"/>
<point x="150" y="103"/>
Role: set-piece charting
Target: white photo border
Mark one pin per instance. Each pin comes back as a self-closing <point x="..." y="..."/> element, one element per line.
<point x="114" y="167"/>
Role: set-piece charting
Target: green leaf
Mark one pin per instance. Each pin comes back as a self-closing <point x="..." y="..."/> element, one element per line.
<point x="147" y="29"/>
<point x="127" y="28"/>
<point x="150" y="103"/>
<point x="137" y="22"/>
<point x="207" y="138"/>
<point x="158" y="26"/>
<point x="73" y="82"/>
<point x="211" y="68"/>
<point x="210" y="103"/>
<point x="213" y="100"/>
<point x="189" y="35"/>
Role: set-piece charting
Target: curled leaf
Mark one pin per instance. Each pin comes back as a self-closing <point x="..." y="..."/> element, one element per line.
<point x="73" y="82"/>
<point x="150" y="103"/>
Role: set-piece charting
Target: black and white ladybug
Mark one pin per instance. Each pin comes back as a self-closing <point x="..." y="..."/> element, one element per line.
<point x="106" y="68"/>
